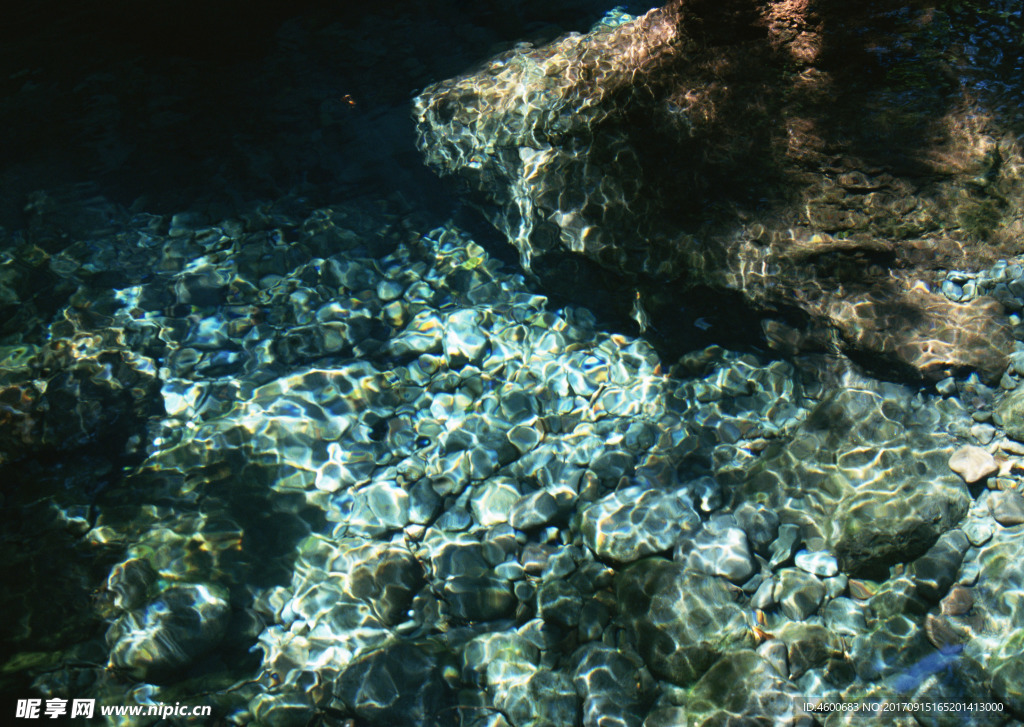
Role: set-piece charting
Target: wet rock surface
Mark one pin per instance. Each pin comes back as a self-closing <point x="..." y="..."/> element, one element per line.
<point x="568" y="145"/>
<point x="511" y="509"/>
<point x="339" y="464"/>
<point x="886" y="442"/>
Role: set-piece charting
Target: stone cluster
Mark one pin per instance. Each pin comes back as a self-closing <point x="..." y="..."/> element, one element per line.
<point x="390" y="482"/>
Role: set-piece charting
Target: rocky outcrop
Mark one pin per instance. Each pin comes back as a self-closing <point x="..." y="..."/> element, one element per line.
<point x="795" y="155"/>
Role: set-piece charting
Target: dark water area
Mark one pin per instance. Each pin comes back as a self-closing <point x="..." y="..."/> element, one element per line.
<point x="168" y="105"/>
<point x="511" y="364"/>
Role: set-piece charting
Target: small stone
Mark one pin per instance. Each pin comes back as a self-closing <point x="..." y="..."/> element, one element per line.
<point x="1009" y="445"/>
<point x="631" y="523"/>
<point x="946" y="387"/>
<point x="759" y="523"/>
<point x="559" y="603"/>
<point x="808" y="645"/>
<point x="463" y="337"/>
<point x="1010" y="412"/>
<point x="492" y="501"/>
<point x="1007" y="507"/>
<point x="861" y="590"/>
<point x="836" y="585"/>
<point x="935" y="571"/>
<point x="388" y="290"/>
<point x="1001" y="483"/>
<point x="983" y="433"/>
<point x="820" y="563"/>
<point x="973" y="464"/>
<point x="951" y="290"/>
<point x="978" y="532"/>
<point x="533" y="510"/>
<point x="783" y="546"/>
<point x="957" y="602"/>
<point x="718" y="550"/>
<point x="478" y="598"/>
<point x="764" y="596"/>
<point x="774" y="652"/>
<point x="131" y="584"/>
<point x="523" y="437"/>
<point x="799" y="593"/>
<point x="845" y="617"/>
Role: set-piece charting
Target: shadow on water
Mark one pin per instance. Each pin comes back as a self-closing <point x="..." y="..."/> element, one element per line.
<point x="192" y="104"/>
<point x="774" y="91"/>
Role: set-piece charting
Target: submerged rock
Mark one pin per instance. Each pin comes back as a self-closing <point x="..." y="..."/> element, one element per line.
<point x="632" y="523"/>
<point x="1011" y="414"/>
<point x="743" y="686"/>
<point x="1007" y="507"/>
<point x="398" y="684"/>
<point x="156" y="642"/>
<point x="567" y="146"/>
<point x="973" y="464"/>
<point x="867" y="476"/>
<point x="680" y="621"/>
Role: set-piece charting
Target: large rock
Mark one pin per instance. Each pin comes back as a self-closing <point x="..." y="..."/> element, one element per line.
<point x="867" y="476"/>
<point x="400" y="684"/>
<point x="681" y="621"/>
<point x="632" y="523"/>
<point x="727" y="144"/>
<point x="159" y="641"/>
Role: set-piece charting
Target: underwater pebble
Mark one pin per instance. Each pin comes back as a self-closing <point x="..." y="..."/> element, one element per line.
<point x="978" y="532"/>
<point x="718" y="549"/>
<point x="492" y="501"/>
<point x="1010" y="413"/>
<point x="478" y="598"/>
<point x="820" y="563"/>
<point x="759" y="523"/>
<point x="132" y="583"/>
<point x="631" y="523"/>
<point x="1007" y="507"/>
<point x="972" y="464"/>
<point x="861" y="590"/>
<point x="935" y="571"/>
<point x="388" y="290"/>
<point x="809" y="646"/>
<point x="951" y="290"/>
<point x="845" y="616"/>
<point x="463" y="337"/>
<point x="957" y="602"/>
<point x="983" y="433"/>
<point x="559" y="603"/>
<point x="784" y="545"/>
<point x="798" y="593"/>
<point x="533" y="511"/>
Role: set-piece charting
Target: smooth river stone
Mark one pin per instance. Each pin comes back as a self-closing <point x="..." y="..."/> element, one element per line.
<point x="1007" y="507"/>
<point x="631" y="523"/>
<point x="973" y="464"/>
